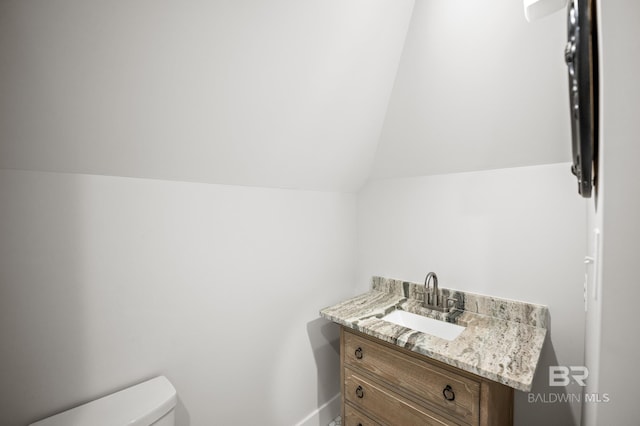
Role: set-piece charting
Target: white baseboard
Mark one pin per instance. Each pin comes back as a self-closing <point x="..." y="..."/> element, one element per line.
<point x="324" y="414"/>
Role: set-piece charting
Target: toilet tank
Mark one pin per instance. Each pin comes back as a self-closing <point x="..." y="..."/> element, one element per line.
<point x="149" y="403"/>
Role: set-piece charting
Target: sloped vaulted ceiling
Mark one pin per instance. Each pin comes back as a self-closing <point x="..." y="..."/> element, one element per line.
<point x="477" y="88"/>
<point x="282" y="93"/>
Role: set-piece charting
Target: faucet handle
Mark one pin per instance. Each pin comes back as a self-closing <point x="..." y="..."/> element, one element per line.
<point x="451" y="304"/>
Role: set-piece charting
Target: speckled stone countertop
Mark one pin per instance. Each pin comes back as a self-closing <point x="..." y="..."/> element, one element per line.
<point x="502" y="340"/>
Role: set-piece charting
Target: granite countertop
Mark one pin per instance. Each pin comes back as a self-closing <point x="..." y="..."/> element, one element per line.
<point x="502" y="340"/>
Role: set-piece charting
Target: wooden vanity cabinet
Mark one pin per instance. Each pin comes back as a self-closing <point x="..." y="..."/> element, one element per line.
<point x="383" y="384"/>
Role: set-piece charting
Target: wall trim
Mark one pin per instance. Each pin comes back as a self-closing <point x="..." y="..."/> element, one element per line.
<point x="324" y="414"/>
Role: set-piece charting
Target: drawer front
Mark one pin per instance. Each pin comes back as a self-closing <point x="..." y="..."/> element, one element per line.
<point x="353" y="417"/>
<point x="385" y="405"/>
<point x="456" y="395"/>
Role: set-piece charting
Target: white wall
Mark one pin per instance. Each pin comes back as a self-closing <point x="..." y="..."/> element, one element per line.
<point x="478" y="87"/>
<point x="106" y="281"/>
<point x="281" y="93"/>
<point x="517" y="233"/>
<point x="612" y="343"/>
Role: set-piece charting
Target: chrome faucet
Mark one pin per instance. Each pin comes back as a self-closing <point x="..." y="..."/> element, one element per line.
<point x="432" y="297"/>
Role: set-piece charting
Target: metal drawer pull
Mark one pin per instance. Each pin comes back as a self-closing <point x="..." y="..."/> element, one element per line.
<point x="359" y="392"/>
<point x="448" y="393"/>
<point x="358" y="353"/>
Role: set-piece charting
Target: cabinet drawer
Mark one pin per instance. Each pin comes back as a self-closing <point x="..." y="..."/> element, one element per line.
<point x="421" y="379"/>
<point x="384" y="404"/>
<point x="353" y="417"/>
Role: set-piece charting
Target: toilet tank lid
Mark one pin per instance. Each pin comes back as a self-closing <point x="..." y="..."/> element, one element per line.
<point x="139" y="405"/>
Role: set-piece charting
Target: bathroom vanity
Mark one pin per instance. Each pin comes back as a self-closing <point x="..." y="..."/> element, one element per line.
<point x="400" y="387"/>
<point x="395" y="375"/>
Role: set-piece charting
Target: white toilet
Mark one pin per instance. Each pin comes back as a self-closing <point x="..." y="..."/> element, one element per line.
<point x="150" y="403"/>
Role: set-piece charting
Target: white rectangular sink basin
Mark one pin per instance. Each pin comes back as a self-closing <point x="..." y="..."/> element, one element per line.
<point x="441" y="329"/>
